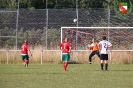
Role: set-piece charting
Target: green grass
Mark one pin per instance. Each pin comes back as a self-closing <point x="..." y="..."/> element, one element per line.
<point x="77" y="76"/>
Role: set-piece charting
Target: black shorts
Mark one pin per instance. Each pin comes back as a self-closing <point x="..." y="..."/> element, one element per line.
<point x="104" y="56"/>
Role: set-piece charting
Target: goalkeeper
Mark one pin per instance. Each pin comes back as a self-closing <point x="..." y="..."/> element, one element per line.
<point x="95" y="50"/>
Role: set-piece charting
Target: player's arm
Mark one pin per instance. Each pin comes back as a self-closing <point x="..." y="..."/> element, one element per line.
<point x="91" y="46"/>
<point x="99" y="47"/>
<point x="29" y="51"/>
<point x="69" y="49"/>
<point x="88" y="47"/>
<point x="59" y="46"/>
<point x="97" y="44"/>
<point x="110" y="45"/>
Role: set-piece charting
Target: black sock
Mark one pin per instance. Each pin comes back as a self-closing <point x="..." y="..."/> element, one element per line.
<point x="89" y="59"/>
<point x="101" y="66"/>
<point x="106" y="66"/>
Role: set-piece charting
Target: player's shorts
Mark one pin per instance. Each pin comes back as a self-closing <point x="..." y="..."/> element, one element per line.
<point x="104" y="56"/>
<point x="25" y="57"/>
<point x="65" y="57"/>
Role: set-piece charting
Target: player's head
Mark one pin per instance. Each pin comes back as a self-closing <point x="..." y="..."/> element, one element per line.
<point x="65" y="39"/>
<point x="104" y="37"/>
<point x="26" y="41"/>
<point x="94" y="40"/>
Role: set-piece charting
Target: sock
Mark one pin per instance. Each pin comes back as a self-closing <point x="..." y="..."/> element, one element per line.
<point x="89" y="59"/>
<point x="64" y="65"/>
<point x="23" y="61"/>
<point x="27" y="61"/>
<point x="106" y="66"/>
<point x="101" y="66"/>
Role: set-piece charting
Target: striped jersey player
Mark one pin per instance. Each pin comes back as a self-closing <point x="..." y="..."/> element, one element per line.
<point x="103" y="48"/>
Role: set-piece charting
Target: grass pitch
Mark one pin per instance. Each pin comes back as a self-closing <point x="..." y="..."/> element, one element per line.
<point x="77" y="76"/>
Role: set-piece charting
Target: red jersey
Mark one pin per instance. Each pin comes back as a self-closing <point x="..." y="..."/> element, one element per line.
<point x="65" y="47"/>
<point x="24" y="49"/>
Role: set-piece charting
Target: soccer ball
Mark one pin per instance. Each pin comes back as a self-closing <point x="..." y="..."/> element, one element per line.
<point x="93" y="44"/>
<point x="75" y="20"/>
<point x="89" y="45"/>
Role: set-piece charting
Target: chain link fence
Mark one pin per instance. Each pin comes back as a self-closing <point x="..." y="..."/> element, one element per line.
<point x="42" y="27"/>
<point x="43" y="30"/>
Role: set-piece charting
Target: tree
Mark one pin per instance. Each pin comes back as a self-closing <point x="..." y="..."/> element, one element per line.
<point x="65" y="4"/>
<point x="11" y="4"/>
<point x="58" y="4"/>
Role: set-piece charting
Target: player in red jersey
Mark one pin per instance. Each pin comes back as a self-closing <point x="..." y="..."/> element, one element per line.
<point x="24" y="53"/>
<point x="66" y="48"/>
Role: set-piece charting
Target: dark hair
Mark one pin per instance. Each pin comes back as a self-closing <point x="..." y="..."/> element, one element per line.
<point x="104" y="37"/>
<point x="25" y="41"/>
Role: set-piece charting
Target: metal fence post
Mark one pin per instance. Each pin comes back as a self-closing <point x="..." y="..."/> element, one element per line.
<point x="110" y="56"/>
<point x="77" y="11"/>
<point x="17" y="26"/>
<point x="41" y="56"/>
<point x="46" y="24"/>
<point x="7" y="56"/>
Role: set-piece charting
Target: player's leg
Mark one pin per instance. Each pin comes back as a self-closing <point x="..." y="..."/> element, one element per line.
<point x="102" y="64"/>
<point x="65" y="65"/>
<point x="102" y="61"/>
<point x="106" y="65"/>
<point x="90" y="57"/>
<point x="97" y="53"/>
<point x="106" y="62"/>
<point x="67" y="58"/>
<point x="63" y="61"/>
<point x="23" y="59"/>
<point x="27" y="60"/>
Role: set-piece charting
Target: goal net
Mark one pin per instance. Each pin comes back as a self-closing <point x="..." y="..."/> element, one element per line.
<point x="80" y="37"/>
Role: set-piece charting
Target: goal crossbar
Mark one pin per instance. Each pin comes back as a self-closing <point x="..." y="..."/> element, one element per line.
<point x="101" y="27"/>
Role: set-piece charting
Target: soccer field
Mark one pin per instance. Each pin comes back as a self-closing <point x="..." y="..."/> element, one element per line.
<point x="77" y="76"/>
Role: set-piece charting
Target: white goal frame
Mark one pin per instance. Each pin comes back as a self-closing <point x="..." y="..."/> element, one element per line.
<point x="96" y="28"/>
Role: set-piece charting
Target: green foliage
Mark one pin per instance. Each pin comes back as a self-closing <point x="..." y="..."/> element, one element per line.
<point x="57" y="4"/>
<point x="53" y="37"/>
<point x="8" y="4"/>
<point x="27" y="3"/>
<point x="35" y="37"/>
<point x="7" y="42"/>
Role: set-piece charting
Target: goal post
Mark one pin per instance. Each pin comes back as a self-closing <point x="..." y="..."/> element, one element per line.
<point x="80" y="37"/>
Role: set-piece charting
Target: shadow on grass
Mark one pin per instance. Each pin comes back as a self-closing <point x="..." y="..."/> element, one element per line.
<point x="71" y="62"/>
<point x="121" y="70"/>
<point x="74" y="62"/>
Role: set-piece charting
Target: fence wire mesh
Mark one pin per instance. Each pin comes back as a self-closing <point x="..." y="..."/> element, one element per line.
<point x="32" y="25"/>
